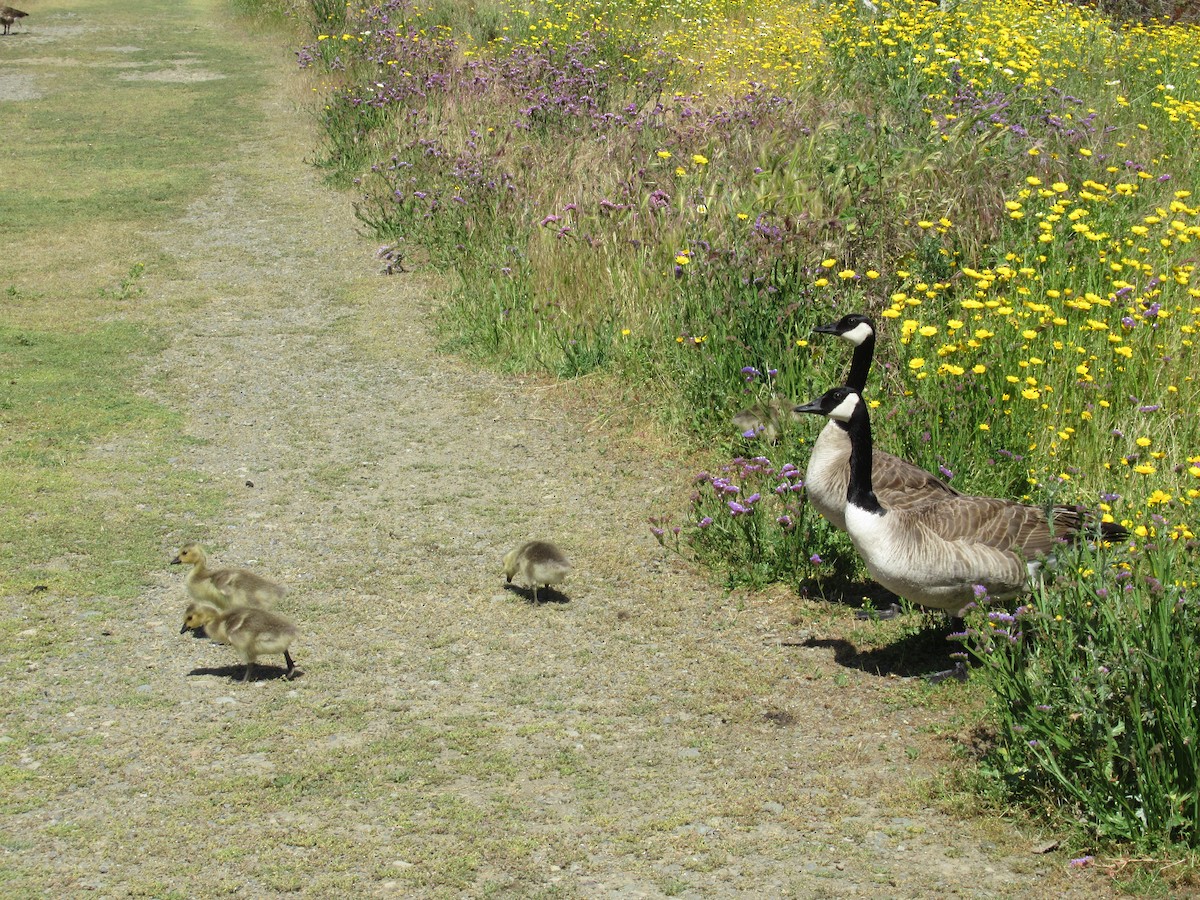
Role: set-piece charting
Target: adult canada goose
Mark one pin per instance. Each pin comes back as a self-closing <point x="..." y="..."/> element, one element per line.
<point x="537" y="562"/>
<point x="8" y="15"/>
<point x="938" y="553"/>
<point x="761" y="421"/>
<point x="898" y="483"/>
<point x="225" y="588"/>
<point x="251" y="632"/>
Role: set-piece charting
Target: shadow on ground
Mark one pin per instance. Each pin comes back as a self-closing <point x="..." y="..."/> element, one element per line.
<point x="544" y="594"/>
<point x="235" y="673"/>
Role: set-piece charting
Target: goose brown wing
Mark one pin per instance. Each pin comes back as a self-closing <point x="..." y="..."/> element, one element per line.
<point x="900" y="484"/>
<point x="992" y="522"/>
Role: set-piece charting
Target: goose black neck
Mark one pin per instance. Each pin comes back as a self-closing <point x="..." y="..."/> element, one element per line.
<point x="860" y="492"/>
<point x="860" y="364"/>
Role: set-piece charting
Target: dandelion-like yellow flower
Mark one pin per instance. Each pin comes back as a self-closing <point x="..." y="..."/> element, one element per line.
<point x="916" y="362"/>
<point x="1144" y="469"/>
<point x="699" y="160"/>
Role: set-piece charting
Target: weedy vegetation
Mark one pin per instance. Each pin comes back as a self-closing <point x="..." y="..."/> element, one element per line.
<point x="670" y="195"/>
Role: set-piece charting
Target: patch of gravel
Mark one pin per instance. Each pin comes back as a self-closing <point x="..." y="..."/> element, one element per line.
<point x="644" y="736"/>
<point x="18" y="86"/>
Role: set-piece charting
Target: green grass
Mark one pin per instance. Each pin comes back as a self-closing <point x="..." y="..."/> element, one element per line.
<point x="85" y="464"/>
<point x="98" y="163"/>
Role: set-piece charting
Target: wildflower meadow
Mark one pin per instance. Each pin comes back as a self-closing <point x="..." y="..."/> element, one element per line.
<point x="671" y="194"/>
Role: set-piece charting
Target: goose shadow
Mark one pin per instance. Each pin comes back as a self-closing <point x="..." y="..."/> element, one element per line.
<point x="544" y="594"/>
<point x="261" y="672"/>
<point x="868" y="599"/>
<point x="925" y="654"/>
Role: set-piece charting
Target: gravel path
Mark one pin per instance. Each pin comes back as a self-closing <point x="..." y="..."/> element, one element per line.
<point x="642" y="735"/>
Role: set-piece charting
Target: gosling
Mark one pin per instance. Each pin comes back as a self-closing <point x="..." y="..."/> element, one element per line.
<point x="251" y="632"/>
<point x="537" y="562"/>
<point x="225" y="588"/>
<point x="8" y="16"/>
<point x="763" y="420"/>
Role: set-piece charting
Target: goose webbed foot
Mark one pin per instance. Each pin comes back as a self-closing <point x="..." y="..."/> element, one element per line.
<point x="882" y="614"/>
<point x="958" y="673"/>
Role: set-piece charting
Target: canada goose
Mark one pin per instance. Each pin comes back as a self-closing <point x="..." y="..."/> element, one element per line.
<point x="938" y="553"/>
<point x="251" y="632"/>
<point x="225" y="588"/>
<point x="8" y="16"/>
<point x="537" y="562"/>
<point x="898" y="483"/>
<point x="763" y="420"/>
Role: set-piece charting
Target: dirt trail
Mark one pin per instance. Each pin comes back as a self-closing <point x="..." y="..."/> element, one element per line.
<point x="643" y="736"/>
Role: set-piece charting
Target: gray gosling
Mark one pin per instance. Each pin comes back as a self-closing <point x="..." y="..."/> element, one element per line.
<point x="537" y="562"/>
<point x="251" y="632"/>
<point x="225" y="588"/>
<point x="763" y="420"/>
<point x="9" y="15"/>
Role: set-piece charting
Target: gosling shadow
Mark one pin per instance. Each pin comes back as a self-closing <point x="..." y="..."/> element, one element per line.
<point x="544" y="594"/>
<point x="261" y="672"/>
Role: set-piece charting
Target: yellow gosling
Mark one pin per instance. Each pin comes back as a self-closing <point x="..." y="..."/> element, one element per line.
<point x="225" y="588"/>
<point x="251" y="632"/>
<point x="537" y="562"/>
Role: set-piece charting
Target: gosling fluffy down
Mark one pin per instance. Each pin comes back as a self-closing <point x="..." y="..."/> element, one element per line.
<point x="225" y="588"/>
<point x="251" y="632"/>
<point x="538" y="563"/>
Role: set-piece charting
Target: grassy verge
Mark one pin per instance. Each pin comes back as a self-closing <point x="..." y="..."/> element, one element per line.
<point x="85" y="464"/>
<point x="1009" y="188"/>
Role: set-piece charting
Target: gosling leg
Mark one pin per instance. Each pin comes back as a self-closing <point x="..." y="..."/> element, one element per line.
<point x="291" y="666"/>
<point x="249" y="669"/>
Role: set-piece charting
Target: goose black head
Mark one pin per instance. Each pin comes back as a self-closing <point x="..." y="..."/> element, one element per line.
<point x="838" y="404"/>
<point x="852" y="327"/>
